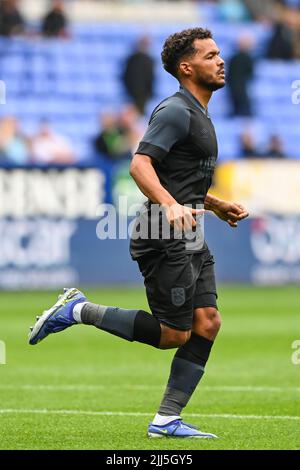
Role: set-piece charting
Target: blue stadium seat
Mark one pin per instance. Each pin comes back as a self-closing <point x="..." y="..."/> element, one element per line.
<point x="70" y="82"/>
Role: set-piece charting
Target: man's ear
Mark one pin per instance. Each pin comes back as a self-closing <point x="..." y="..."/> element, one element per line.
<point x="185" y="69"/>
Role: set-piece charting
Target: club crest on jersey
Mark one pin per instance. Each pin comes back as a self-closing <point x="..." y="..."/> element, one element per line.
<point x="204" y="133"/>
<point x="178" y="296"/>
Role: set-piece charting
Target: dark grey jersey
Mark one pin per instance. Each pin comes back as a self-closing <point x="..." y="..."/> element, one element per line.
<point x="182" y="142"/>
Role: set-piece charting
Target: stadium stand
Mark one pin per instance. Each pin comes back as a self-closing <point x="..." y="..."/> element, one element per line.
<point x="42" y="71"/>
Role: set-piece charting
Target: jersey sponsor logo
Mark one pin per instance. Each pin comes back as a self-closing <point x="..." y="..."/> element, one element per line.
<point x="208" y="163"/>
<point x="178" y="296"/>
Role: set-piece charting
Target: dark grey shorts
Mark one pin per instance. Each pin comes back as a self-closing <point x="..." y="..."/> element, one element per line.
<point x="177" y="284"/>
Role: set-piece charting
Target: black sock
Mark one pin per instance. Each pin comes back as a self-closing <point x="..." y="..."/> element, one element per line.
<point x="186" y="371"/>
<point x="132" y="325"/>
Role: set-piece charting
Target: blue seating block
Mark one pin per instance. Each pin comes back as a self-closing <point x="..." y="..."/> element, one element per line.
<point x="72" y="81"/>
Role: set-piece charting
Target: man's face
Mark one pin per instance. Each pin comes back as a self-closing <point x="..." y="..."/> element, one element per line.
<point x="206" y="67"/>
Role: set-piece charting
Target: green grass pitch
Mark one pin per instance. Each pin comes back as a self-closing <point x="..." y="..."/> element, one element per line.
<point x="85" y="389"/>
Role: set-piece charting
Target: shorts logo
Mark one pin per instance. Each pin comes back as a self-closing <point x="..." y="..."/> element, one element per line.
<point x="178" y="296"/>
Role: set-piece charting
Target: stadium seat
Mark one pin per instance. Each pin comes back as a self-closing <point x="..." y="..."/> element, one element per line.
<point x="73" y="97"/>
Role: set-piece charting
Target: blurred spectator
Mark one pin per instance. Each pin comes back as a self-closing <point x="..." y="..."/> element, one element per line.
<point x="47" y="147"/>
<point x="248" y="149"/>
<point x="55" y="21"/>
<point x="233" y="10"/>
<point x="281" y="43"/>
<point x="14" y="147"/>
<point x="11" y="20"/>
<point x="240" y="73"/>
<point x="110" y="142"/>
<point x="138" y="75"/>
<point x="119" y="135"/>
<point x="275" y="148"/>
<point x="132" y="125"/>
<point x="262" y="10"/>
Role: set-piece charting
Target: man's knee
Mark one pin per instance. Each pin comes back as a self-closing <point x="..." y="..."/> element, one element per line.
<point x="207" y="322"/>
<point x="214" y="319"/>
<point x="171" y="338"/>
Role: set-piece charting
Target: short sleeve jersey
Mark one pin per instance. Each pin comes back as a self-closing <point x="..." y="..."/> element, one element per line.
<point x="182" y="142"/>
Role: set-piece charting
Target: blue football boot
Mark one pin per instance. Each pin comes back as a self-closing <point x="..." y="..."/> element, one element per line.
<point x="178" y="428"/>
<point x="57" y="318"/>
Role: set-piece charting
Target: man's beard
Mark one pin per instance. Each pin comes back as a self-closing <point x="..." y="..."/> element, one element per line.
<point x="215" y="86"/>
<point x="210" y="86"/>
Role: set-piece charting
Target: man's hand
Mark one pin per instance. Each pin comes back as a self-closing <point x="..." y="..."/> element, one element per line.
<point x="230" y="212"/>
<point x="180" y="217"/>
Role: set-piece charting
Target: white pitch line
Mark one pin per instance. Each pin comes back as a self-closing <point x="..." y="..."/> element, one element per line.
<point x="137" y="414"/>
<point x="91" y="388"/>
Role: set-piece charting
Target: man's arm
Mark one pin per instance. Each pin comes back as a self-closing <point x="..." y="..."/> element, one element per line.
<point x="230" y="212"/>
<point x="211" y="202"/>
<point x="143" y="173"/>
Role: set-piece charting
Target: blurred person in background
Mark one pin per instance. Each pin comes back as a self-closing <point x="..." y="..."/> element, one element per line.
<point x="11" y="21"/>
<point x="261" y="10"/>
<point x="110" y="142"/>
<point x="281" y="44"/>
<point x="132" y="125"/>
<point x="233" y="10"/>
<point x="14" y="146"/>
<point x="249" y="149"/>
<point x="48" y="147"/>
<point x="55" y="22"/>
<point x="239" y="75"/>
<point x="119" y="134"/>
<point x="275" y="148"/>
<point x="138" y="76"/>
<point x="247" y="144"/>
<point x="291" y="19"/>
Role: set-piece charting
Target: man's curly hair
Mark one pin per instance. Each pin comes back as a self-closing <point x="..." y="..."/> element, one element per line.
<point x="180" y="45"/>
